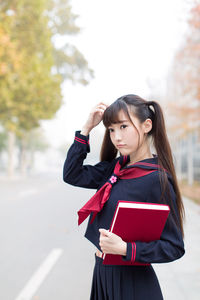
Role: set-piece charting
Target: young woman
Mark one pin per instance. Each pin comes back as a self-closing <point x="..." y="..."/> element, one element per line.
<point x="131" y="123"/>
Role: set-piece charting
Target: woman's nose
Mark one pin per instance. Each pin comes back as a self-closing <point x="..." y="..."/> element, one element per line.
<point x="117" y="136"/>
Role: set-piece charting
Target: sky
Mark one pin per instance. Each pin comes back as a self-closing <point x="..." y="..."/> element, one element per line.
<point x="128" y="44"/>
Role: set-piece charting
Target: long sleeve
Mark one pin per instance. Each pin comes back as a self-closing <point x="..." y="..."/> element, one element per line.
<point x="170" y="246"/>
<point x="77" y="174"/>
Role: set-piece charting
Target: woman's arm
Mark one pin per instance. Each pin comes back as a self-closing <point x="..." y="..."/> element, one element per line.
<point x="169" y="248"/>
<point x="77" y="174"/>
<point x="74" y="172"/>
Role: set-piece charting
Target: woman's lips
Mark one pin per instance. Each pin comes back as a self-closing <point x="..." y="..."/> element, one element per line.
<point x="120" y="145"/>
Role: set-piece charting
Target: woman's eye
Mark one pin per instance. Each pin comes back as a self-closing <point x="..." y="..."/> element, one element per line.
<point x="124" y="126"/>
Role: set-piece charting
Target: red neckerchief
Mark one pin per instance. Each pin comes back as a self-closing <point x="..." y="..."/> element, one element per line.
<point x="96" y="203"/>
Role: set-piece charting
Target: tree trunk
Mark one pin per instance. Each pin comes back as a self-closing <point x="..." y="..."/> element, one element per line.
<point x="23" y="158"/>
<point x="190" y="168"/>
<point x="11" y="146"/>
<point x="31" y="161"/>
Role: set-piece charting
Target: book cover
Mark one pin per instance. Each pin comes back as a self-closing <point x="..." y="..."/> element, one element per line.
<point x="136" y="221"/>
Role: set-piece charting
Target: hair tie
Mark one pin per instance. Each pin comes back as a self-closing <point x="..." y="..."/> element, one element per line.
<point x="150" y="104"/>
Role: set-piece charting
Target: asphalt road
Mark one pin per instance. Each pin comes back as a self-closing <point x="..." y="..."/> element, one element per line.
<point x="44" y="255"/>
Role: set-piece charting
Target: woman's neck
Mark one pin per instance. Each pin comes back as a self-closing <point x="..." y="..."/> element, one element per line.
<point x="135" y="158"/>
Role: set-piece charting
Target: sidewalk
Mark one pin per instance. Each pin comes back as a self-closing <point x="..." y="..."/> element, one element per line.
<point x="180" y="280"/>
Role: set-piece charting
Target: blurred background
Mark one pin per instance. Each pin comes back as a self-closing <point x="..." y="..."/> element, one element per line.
<point x="58" y="59"/>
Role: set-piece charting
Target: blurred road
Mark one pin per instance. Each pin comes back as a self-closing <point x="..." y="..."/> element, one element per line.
<point x="44" y="255"/>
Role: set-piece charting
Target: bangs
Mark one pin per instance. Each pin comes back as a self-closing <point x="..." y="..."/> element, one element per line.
<point x="111" y="114"/>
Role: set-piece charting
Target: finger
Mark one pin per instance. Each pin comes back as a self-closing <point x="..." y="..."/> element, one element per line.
<point x="104" y="103"/>
<point x="101" y="107"/>
<point x="104" y="232"/>
<point x="104" y="106"/>
<point x="101" y="239"/>
<point x="99" y="110"/>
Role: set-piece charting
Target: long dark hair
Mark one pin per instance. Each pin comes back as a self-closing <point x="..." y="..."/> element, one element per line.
<point x="143" y="110"/>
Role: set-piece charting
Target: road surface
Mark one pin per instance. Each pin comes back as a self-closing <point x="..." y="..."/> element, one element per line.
<point x="44" y="255"/>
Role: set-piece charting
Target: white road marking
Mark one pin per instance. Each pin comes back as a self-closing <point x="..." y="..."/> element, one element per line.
<point x="38" y="277"/>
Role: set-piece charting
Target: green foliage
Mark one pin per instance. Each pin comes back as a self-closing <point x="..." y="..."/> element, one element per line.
<point x="69" y="62"/>
<point x="30" y="92"/>
<point x="71" y="65"/>
<point x="31" y="68"/>
<point x="61" y="18"/>
<point x="3" y="140"/>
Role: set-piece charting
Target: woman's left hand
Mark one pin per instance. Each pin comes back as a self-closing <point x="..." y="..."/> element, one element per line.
<point x="111" y="243"/>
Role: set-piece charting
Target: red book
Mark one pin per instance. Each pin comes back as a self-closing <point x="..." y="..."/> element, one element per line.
<point x="136" y="221"/>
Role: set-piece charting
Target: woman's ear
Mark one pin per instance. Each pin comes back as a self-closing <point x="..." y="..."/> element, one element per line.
<point x="147" y="125"/>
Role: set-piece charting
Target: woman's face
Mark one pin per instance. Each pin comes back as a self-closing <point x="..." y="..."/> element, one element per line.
<point x="124" y="135"/>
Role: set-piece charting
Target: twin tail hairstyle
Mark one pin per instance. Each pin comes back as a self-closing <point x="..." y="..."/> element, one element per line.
<point x="143" y="109"/>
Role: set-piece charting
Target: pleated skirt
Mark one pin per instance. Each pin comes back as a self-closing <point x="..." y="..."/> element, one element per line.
<point x="124" y="282"/>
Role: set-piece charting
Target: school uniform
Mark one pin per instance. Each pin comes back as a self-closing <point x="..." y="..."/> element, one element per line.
<point x="124" y="282"/>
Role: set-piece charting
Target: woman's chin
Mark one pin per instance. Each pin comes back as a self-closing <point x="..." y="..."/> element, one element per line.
<point x="124" y="152"/>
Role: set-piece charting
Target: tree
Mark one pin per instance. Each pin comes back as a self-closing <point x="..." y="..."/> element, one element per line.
<point x="33" y="141"/>
<point x="185" y="82"/>
<point x="69" y="61"/>
<point x="184" y="92"/>
<point x="32" y="68"/>
<point x="3" y="142"/>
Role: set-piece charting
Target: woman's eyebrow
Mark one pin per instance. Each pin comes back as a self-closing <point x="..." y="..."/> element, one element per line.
<point x="120" y="121"/>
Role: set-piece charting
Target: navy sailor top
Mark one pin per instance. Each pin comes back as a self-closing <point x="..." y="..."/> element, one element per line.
<point x="142" y="189"/>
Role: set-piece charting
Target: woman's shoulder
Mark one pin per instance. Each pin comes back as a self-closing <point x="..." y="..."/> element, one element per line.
<point x="108" y="163"/>
<point x="157" y="183"/>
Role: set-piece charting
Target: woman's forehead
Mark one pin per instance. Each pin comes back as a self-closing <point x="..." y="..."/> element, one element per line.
<point x="113" y="115"/>
<point x="121" y="117"/>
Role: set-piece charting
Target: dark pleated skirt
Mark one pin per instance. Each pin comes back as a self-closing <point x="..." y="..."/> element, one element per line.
<point x="124" y="282"/>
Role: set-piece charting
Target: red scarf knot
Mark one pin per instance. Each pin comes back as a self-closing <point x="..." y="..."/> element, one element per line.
<point x="96" y="203"/>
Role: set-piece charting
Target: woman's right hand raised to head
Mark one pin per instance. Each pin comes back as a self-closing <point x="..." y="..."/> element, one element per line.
<point x="94" y="118"/>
